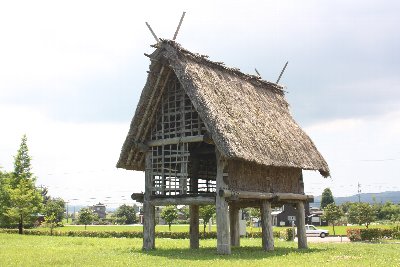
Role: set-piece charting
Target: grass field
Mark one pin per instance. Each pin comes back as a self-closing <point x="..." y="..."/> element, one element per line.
<point x="16" y="250"/>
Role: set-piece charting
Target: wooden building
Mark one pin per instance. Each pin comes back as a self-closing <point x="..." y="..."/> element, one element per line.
<point x="288" y="213"/>
<point x="204" y="134"/>
<point x="100" y="210"/>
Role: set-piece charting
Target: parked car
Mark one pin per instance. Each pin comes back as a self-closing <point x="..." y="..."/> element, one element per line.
<point x="312" y="230"/>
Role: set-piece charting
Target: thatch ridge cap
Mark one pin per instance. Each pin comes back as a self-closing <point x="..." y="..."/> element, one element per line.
<point x="204" y="59"/>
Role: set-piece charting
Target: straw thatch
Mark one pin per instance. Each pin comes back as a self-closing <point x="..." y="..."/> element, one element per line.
<point x="247" y="118"/>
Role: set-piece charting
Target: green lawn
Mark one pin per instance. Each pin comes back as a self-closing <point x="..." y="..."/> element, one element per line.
<point x="16" y="250"/>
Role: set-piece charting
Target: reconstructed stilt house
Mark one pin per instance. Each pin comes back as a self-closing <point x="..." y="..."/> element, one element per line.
<point x="204" y="134"/>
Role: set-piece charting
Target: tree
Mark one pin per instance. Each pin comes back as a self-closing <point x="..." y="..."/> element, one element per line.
<point x="55" y="207"/>
<point x="4" y="197"/>
<point x="361" y="213"/>
<point x="22" y="163"/>
<point x="254" y="213"/>
<point x="24" y="200"/>
<point x="388" y="211"/>
<point x="332" y="213"/>
<point x="346" y="206"/>
<point x="25" y="203"/>
<point x="206" y="213"/>
<point x="44" y="192"/>
<point x="86" y="216"/>
<point x="169" y="214"/>
<point x="50" y="221"/>
<point x="327" y="198"/>
<point x="126" y="214"/>
<point x="185" y="211"/>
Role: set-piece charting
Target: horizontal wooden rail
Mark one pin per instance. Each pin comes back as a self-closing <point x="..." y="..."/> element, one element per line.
<point x="176" y="140"/>
<point x="260" y="195"/>
<point x="193" y="200"/>
<point x="139" y="197"/>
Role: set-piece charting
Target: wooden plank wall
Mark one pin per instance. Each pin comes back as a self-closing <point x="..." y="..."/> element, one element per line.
<point x="253" y="177"/>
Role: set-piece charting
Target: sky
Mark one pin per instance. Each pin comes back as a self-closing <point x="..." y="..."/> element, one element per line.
<point x="71" y="73"/>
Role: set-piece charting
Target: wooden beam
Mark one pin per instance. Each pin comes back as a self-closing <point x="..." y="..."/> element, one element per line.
<point x="179" y="26"/>
<point x="223" y="237"/>
<point x="194" y="226"/>
<point x="266" y="225"/>
<point x="194" y="181"/>
<point x="152" y="32"/>
<point x="192" y="200"/>
<point x="176" y="140"/>
<point x="276" y="197"/>
<point x="149" y="109"/>
<point x="139" y="146"/>
<point x="208" y="139"/>
<point x="234" y="225"/>
<point x="244" y="194"/>
<point x="291" y="196"/>
<point x="153" y="108"/>
<point x="146" y="123"/>
<point x="149" y="210"/>
<point x="301" y="226"/>
<point x="139" y="197"/>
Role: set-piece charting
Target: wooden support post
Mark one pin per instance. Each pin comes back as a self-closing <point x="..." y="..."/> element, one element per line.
<point x="301" y="225"/>
<point x="194" y="226"/>
<point x="234" y="222"/>
<point x="194" y="180"/>
<point x="149" y="209"/>
<point x="223" y="237"/>
<point x="194" y="209"/>
<point x="266" y="224"/>
<point x="148" y="226"/>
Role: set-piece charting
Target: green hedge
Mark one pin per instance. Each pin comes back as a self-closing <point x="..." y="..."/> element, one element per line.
<point x="353" y="234"/>
<point x="259" y="234"/>
<point x="373" y="234"/>
<point x="108" y="234"/>
<point x="287" y="234"/>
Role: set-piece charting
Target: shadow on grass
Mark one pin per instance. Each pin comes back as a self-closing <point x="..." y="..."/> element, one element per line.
<point x="249" y="253"/>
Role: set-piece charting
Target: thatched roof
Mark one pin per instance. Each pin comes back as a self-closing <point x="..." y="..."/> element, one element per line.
<point x="248" y="118"/>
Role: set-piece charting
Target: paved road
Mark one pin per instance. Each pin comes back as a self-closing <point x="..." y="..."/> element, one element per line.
<point x="328" y="239"/>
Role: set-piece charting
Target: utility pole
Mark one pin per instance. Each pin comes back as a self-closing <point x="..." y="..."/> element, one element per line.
<point x="359" y="192"/>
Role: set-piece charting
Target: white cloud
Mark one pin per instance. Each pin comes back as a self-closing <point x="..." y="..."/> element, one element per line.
<point x="48" y="45"/>
<point x="357" y="150"/>
<point x="73" y="160"/>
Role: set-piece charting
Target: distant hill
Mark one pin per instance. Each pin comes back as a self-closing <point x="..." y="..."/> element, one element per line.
<point x="393" y="196"/>
<point x="76" y="208"/>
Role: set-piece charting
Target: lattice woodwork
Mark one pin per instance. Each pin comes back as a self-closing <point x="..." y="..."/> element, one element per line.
<point x="172" y="171"/>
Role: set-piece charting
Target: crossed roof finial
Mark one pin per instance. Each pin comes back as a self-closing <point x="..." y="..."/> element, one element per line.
<point x="176" y="32"/>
